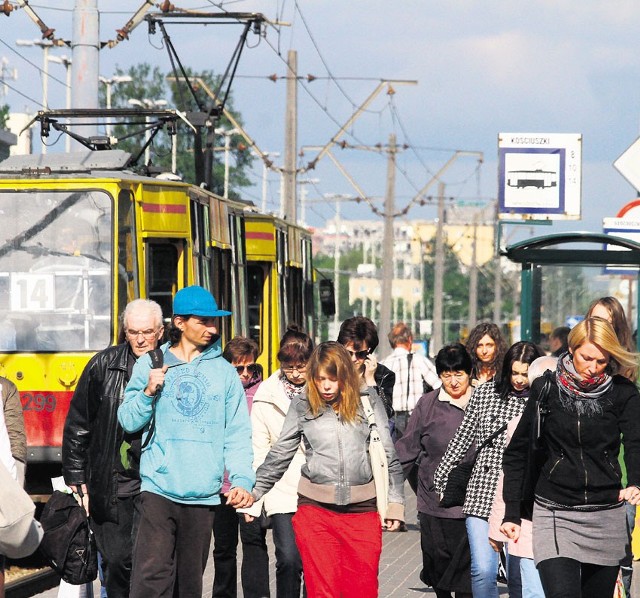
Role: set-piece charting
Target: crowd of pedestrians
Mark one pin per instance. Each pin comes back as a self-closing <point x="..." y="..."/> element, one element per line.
<point x="182" y="442"/>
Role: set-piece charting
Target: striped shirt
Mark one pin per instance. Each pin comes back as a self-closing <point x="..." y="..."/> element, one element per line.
<point x="408" y="388"/>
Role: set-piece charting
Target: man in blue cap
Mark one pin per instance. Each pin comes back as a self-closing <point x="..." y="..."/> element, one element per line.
<point x="196" y="424"/>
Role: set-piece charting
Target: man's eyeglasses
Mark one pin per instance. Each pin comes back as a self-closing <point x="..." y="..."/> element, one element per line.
<point x="359" y="354"/>
<point x="147" y="334"/>
<point x="252" y="368"/>
<point x="301" y="369"/>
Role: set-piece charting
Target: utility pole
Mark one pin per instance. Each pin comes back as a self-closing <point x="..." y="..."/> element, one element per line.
<point x="388" y="248"/>
<point x="85" y="65"/>
<point x="336" y="270"/>
<point x="473" y="277"/>
<point x="497" y="292"/>
<point x="438" y="283"/>
<point x="291" y="139"/>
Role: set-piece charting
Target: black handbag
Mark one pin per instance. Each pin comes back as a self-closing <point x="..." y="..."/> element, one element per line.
<point x="458" y="480"/>
<point x="68" y="543"/>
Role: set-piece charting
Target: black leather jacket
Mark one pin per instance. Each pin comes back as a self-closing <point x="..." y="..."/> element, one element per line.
<point x="582" y="466"/>
<point x="92" y="435"/>
<point x="385" y="381"/>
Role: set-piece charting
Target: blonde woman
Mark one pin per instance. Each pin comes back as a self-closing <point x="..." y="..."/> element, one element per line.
<point x="579" y="520"/>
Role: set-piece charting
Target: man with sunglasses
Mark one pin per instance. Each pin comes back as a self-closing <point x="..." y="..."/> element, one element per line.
<point x="98" y="456"/>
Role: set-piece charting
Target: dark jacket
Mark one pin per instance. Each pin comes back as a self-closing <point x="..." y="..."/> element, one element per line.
<point x="385" y="381"/>
<point x="92" y="436"/>
<point x="431" y="426"/>
<point x="581" y="467"/>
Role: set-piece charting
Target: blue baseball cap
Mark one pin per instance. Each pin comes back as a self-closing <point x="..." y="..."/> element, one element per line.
<point x="196" y="301"/>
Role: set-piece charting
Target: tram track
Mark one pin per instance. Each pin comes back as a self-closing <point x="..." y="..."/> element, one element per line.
<point x="22" y="581"/>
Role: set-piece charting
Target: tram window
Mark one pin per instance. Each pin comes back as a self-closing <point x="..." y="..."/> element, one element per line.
<point x="221" y="287"/>
<point x="239" y="285"/>
<point x="200" y="236"/>
<point x="127" y="278"/>
<point x="162" y="274"/>
<point x="295" y="296"/>
<point x="255" y="299"/>
<point x="55" y="255"/>
<point x="283" y="257"/>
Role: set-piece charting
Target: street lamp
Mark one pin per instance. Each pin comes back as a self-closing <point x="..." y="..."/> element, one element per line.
<point x="66" y="62"/>
<point x="228" y="133"/>
<point x="45" y="45"/>
<point x="303" y="197"/>
<point x="265" y="172"/>
<point x="338" y="197"/>
<point x="146" y="103"/>
<point x="108" y="83"/>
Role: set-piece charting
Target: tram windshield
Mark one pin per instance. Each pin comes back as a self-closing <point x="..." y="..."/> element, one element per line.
<point x="55" y="271"/>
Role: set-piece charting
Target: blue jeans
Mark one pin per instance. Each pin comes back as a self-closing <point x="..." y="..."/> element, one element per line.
<point x="484" y="560"/>
<point x="531" y="584"/>
<point x="288" y="561"/>
<point x="514" y="577"/>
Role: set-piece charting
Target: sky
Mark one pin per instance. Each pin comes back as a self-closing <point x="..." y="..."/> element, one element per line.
<point x="482" y="68"/>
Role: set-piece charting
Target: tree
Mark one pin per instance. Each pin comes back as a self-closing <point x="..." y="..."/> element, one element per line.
<point x="149" y="83"/>
<point x="4" y="116"/>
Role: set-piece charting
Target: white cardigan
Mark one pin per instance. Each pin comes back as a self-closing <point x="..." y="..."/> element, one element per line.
<point x="270" y="406"/>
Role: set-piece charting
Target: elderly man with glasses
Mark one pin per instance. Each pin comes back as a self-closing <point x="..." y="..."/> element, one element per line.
<point x="98" y="457"/>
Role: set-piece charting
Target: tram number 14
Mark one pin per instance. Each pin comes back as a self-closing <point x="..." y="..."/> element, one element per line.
<point x="38" y="401"/>
<point x="32" y="292"/>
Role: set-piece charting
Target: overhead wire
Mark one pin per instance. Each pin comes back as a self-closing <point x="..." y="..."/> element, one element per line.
<point x="312" y="96"/>
<point x="24" y="95"/>
<point x="324" y="62"/>
<point x="33" y="64"/>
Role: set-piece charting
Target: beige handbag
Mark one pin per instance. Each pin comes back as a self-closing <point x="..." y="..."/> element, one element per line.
<point x="20" y="533"/>
<point x="378" y="458"/>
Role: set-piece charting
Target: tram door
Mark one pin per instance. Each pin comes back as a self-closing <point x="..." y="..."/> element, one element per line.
<point x="165" y="271"/>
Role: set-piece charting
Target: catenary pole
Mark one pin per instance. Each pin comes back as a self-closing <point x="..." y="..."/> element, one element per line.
<point x="85" y="65"/>
<point x="473" y="277"/>
<point x="388" y="250"/>
<point x="438" y="283"/>
<point x="291" y="139"/>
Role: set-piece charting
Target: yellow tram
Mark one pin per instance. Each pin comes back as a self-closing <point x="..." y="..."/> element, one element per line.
<point x="81" y="237"/>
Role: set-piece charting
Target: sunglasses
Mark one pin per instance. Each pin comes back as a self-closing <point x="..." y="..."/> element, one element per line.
<point x="252" y="368"/>
<point x="359" y="354"/>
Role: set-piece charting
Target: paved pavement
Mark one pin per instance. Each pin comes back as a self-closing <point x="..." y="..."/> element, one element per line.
<point x="399" y="566"/>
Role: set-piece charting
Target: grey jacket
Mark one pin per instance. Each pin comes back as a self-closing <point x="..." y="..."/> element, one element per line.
<point x="337" y="468"/>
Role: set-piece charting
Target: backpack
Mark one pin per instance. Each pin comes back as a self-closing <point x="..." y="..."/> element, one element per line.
<point x="68" y="543"/>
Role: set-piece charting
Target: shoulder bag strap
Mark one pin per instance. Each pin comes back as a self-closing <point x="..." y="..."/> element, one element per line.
<point x="368" y="410"/>
<point x="157" y="360"/>
<point x="409" y="361"/>
<point x="493" y="436"/>
<point x="543" y="405"/>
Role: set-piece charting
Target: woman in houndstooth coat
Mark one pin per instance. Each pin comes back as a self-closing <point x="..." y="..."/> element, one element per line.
<point x="492" y="406"/>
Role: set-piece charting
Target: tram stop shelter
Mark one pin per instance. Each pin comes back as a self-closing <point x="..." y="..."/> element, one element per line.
<point x="564" y="249"/>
